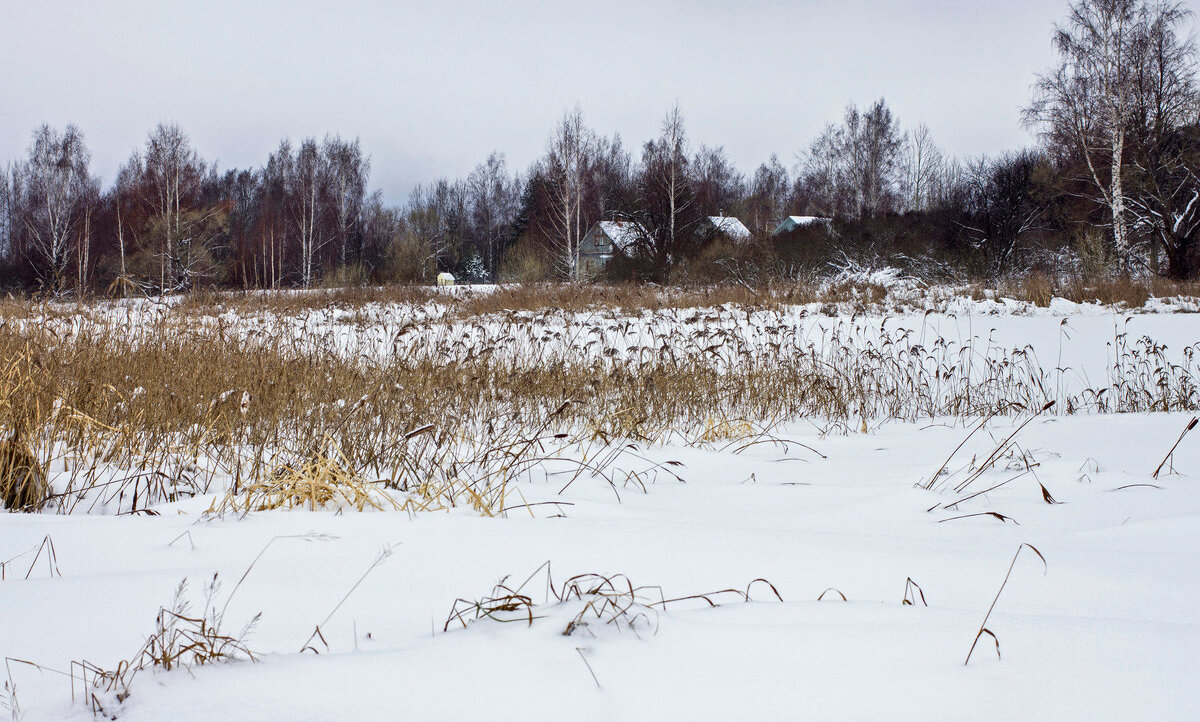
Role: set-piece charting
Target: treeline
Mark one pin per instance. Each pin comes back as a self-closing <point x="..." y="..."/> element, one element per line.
<point x="1111" y="188"/>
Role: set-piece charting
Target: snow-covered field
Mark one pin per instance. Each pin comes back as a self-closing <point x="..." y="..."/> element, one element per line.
<point x="806" y="575"/>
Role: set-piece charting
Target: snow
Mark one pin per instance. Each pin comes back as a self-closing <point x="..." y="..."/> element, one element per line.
<point x="1107" y="629"/>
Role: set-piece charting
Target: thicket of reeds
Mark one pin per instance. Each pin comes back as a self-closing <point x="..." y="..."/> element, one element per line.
<point x="408" y="406"/>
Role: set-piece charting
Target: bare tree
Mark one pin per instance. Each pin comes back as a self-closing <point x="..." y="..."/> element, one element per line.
<point x="853" y="168"/>
<point x="129" y="204"/>
<point x="667" y="191"/>
<point x="922" y="166"/>
<point x="437" y="218"/>
<point x="52" y="201"/>
<point x="275" y="216"/>
<point x="564" y="170"/>
<point x="493" y="198"/>
<point x="609" y="187"/>
<point x="1167" y="205"/>
<point x="382" y="228"/>
<point x="1087" y="100"/>
<point x="426" y="232"/>
<point x="770" y="189"/>
<point x="348" y="171"/>
<point x="820" y="189"/>
<point x="174" y="174"/>
<point x="1164" y="195"/>
<point x="1004" y="206"/>
<point x="719" y="186"/>
<point x="872" y="145"/>
<point x="307" y="185"/>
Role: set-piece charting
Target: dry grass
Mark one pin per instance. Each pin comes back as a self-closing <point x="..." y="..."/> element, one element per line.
<point x="1120" y="292"/>
<point x="320" y="482"/>
<point x="23" y="484"/>
<point x="408" y="407"/>
<point x="1168" y="459"/>
<point x="1035" y="288"/>
<point x="629" y="298"/>
<point x="855" y="292"/>
<point x="181" y="640"/>
<point x="589" y="600"/>
<point x="983" y="625"/>
<point x="852" y="293"/>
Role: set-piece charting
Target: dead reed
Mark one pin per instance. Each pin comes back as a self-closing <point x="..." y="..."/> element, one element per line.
<point x="983" y="625"/>
<point x="181" y="639"/>
<point x="23" y="485"/>
<point x="411" y="406"/>
<point x="585" y="600"/>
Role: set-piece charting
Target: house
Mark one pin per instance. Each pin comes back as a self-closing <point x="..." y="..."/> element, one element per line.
<point x="791" y="223"/>
<point x="602" y="241"/>
<point x="445" y="279"/>
<point x="727" y="227"/>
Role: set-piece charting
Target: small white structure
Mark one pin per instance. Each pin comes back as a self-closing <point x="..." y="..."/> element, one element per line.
<point x="445" y="279"/>
<point x="791" y="223"/>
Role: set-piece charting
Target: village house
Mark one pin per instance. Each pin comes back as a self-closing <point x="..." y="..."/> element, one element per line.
<point x="605" y="239"/>
<point x="725" y="227"/>
<point x="791" y="223"/>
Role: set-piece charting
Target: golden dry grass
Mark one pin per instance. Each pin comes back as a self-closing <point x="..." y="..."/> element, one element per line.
<point x="430" y="411"/>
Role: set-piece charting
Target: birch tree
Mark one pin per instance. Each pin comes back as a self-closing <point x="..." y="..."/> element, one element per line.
<point x="1164" y="153"/>
<point x="854" y="168"/>
<point x="6" y="209"/>
<point x="174" y="174"/>
<point x="922" y="166"/>
<point x="494" y="197"/>
<point x="1087" y="100"/>
<point x="52" y="198"/>
<point x="274" y="220"/>
<point x="293" y="223"/>
<point x="310" y="173"/>
<point x="564" y="170"/>
<point x="348" y="170"/>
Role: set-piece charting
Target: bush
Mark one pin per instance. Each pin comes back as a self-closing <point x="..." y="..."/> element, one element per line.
<point x="524" y="263"/>
<point x="407" y="260"/>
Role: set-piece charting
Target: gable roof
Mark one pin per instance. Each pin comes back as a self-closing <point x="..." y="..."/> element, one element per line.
<point x="730" y="227"/>
<point x="796" y="221"/>
<point x="623" y="234"/>
<point x="805" y="220"/>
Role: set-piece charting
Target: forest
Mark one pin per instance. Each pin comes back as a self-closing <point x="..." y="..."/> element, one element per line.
<point x="1110" y="188"/>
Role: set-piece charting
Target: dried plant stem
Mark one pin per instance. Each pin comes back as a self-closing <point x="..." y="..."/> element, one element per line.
<point x="983" y="625"/>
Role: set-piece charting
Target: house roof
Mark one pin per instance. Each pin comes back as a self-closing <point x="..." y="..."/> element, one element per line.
<point x="731" y="227"/>
<point x="622" y="233"/>
<point x="805" y="220"/>
<point x="795" y="221"/>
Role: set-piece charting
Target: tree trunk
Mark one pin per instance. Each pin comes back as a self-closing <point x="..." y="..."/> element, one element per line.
<point x="1179" y="259"/>
<point x="1120" y="231"/>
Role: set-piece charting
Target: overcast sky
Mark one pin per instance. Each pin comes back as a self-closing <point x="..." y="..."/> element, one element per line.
<point x="432" y="87"/>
